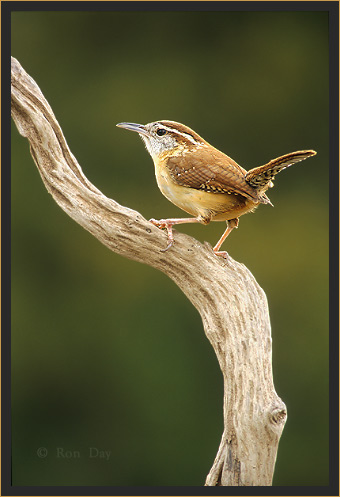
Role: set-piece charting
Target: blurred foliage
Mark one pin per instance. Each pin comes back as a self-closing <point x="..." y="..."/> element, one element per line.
<point x="108" y="353"/>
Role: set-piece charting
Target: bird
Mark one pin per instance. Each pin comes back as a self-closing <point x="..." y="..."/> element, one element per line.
<point x="203" y="181"/>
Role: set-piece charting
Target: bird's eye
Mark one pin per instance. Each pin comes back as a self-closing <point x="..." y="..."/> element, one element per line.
<point x="161" y="132"/>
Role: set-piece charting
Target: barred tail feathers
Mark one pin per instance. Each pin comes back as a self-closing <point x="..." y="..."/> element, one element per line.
<point x="261" y="176"/>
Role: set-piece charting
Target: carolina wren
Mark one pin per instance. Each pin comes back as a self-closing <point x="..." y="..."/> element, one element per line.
<point x="203" y="181"/>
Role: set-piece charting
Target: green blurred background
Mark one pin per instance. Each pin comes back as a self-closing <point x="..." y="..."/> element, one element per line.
<point x="108" y="353"/>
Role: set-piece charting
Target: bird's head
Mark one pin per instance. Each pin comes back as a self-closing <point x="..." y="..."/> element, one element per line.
<point x="165" y="136"/>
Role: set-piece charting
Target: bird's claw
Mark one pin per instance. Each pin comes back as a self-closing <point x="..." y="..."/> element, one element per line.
<point x="170" y="244"/>
<point x="164" y="224"/>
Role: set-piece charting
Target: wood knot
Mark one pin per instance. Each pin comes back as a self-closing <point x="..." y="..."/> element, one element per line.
<point x="278" y="416"/>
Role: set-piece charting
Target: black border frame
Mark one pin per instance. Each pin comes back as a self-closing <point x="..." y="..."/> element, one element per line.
<point x="7" y="7"/>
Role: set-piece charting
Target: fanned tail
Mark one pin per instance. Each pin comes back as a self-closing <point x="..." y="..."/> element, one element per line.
<point x="261" y="176"/>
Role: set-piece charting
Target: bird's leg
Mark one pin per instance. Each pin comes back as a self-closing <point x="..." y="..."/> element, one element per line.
<point x="232" y="223"/>
<point x="169" y="223"/>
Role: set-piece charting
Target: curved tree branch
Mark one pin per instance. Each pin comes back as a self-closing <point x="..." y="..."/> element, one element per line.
<point x="232" y="306"/>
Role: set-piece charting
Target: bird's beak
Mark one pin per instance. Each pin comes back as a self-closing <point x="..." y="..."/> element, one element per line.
<point x="139" y="128"/>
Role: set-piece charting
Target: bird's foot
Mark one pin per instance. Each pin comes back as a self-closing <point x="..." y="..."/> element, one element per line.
<point x="222" y="253"/>
<point x="165" y="224"/>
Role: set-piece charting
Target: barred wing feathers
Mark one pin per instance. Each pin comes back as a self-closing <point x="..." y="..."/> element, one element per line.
<point x="214" y="172"/>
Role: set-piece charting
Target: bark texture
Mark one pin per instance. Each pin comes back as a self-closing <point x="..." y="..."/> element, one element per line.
<point x="232" y="305"/>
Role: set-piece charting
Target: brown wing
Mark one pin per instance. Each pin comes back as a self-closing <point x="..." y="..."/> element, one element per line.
<point x="212" y="171"/>
<point x="260" y="176"/>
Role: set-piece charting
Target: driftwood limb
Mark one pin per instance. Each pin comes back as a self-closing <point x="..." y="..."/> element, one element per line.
<point x="233" y="307"/>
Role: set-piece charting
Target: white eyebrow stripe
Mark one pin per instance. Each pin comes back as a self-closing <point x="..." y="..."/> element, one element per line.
<point x="185" y="135"/>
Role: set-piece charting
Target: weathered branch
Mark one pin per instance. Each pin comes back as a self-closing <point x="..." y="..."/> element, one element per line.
<point x="233" y="307"/>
